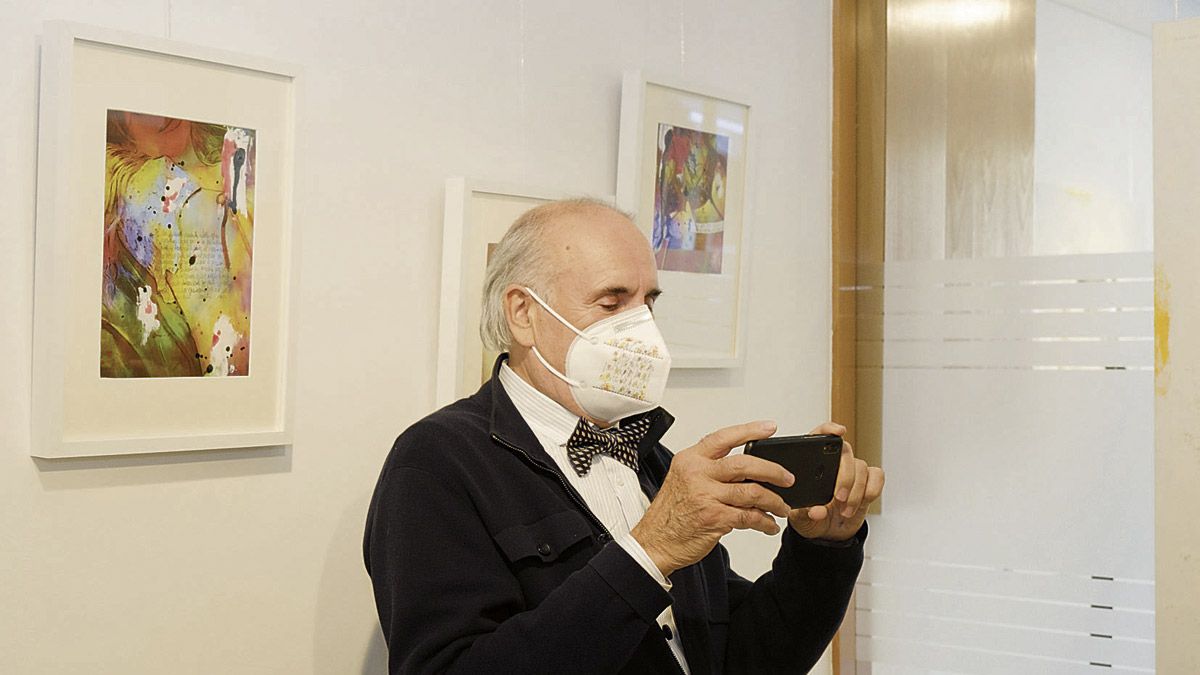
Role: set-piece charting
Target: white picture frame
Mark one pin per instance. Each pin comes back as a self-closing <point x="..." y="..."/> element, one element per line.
<point x="702" y="312"/>
<point x="87" y="74"/>
<point x="477" y="214"/>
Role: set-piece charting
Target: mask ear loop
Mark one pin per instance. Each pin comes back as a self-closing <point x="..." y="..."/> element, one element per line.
<point x="574" y="383"/>
<point x="590" y="338"/>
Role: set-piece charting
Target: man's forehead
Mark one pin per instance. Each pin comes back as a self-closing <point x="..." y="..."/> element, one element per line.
<point x="590" y="219"/>
<point x="600" y="248"/>
<point x="599" y="233"/>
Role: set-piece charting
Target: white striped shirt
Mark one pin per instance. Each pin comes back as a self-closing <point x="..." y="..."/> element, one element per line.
<point x="610" y="489"/>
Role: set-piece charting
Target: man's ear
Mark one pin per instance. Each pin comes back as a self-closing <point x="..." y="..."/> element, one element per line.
<point x="517" y="306"/>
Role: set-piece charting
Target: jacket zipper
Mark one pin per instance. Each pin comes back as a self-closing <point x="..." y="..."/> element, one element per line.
<point x="561" y="481"/>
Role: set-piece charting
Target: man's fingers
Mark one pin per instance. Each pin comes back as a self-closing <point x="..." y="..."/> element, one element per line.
<point x="857" y="490"/>
<point x="832" y="428"/>
<point x="718" y="443"/>
<point x="875" y="481"/>
<point x="746" y="495"/>
<point x="845" y="478"/>
<point x="747" y="467"/>
<point x="753" y="519"/>
<point x="808" y="516"/>
<point x="814" y="513"/>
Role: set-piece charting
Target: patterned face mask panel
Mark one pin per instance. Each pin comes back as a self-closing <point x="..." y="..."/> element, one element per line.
<point x="629" y="370"/>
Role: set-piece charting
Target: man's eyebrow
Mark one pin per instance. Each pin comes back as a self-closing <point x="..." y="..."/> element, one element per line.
<point x="612" y="290"/>
<point x="624" y="290"/>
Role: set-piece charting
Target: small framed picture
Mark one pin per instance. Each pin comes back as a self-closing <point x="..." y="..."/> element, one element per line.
<point x="477" y="215"/>
<point x="162" y="318"/>
<point x="682" y="170"/>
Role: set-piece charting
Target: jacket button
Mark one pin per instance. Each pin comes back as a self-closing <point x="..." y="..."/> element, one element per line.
<point x="543" y="550"/>
<point x="666" y="631"/>
<point x="604" y="537"/>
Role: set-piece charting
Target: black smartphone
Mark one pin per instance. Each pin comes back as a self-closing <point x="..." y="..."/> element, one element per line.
<point x="813" y="459"/>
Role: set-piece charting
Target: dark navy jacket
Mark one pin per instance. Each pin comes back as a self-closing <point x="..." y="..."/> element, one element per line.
<point x="485" y="560"/>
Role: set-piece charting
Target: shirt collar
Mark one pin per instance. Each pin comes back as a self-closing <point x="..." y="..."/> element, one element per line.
<point x="545" y="416"/>
<point x="508" y="427"/>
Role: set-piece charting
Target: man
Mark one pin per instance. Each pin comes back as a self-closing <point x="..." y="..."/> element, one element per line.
<point x="538" y="526"/>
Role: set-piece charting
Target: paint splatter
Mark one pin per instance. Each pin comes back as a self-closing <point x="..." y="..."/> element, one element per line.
<point x="234" y="168"/>
<point x="224" y="339"/>
<point x="172" y="189"/>
<point x="147" y="313"/>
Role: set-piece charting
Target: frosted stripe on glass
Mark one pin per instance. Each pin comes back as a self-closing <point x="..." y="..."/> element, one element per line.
<point x="1017" y="533"/>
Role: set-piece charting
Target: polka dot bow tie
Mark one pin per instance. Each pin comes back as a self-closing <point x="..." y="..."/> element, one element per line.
<point x="621" y="444"/>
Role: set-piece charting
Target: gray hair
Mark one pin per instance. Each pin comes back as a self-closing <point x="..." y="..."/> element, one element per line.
<point x="520" y="258"/>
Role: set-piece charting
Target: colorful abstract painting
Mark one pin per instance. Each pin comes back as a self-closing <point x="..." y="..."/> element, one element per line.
<point x="689" y="200"/>
<point x="178" y="248"/>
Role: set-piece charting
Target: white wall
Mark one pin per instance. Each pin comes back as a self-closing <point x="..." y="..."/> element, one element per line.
<point x="249" y="562"/>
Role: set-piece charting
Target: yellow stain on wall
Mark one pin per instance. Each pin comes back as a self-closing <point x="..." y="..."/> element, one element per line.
<point x="1162" y="329"/>
<point x="1079" y="193"/>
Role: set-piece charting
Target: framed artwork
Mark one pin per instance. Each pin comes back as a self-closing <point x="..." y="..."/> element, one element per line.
<point x="162" y="314"/>
<point x="682" y="169"/>
<point x="477" y="215"/>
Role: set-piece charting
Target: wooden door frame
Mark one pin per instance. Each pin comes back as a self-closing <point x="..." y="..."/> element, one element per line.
<point x="857" y="235"/>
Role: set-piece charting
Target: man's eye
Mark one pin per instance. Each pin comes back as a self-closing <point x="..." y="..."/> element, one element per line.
<point x="609" y="308"/>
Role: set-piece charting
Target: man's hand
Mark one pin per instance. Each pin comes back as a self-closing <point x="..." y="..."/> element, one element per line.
<point x="858" y="486"/>
<point x="703" y="498"/>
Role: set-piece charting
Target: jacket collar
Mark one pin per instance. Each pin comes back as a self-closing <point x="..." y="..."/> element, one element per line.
<point x="509" y="427"/>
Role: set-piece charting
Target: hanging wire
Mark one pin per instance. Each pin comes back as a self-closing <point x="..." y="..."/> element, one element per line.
<point x="521" y="89"/>
<point x="682" y="40"/>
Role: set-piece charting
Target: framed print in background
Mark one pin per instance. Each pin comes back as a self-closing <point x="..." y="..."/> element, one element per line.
<point x="162" y="314"/>
<point x="477" y="215"/>
<point x="682" y="170"/>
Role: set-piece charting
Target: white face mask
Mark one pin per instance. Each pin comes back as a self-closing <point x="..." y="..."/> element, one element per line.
<point x="617" y="367"/>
